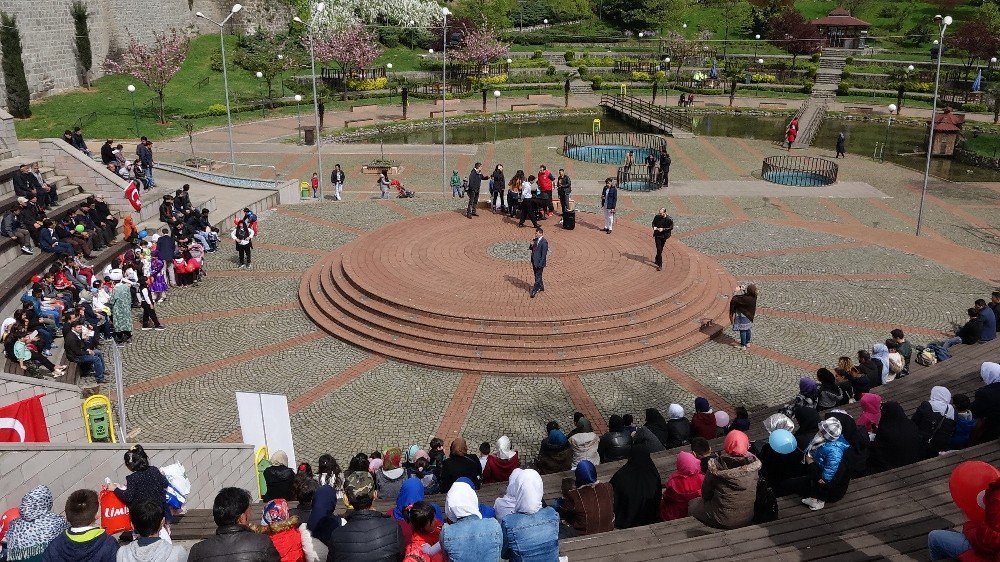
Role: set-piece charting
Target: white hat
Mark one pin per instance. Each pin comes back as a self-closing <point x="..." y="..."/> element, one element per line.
<point x="22" y="200"/>
<point x="116" y="275"/>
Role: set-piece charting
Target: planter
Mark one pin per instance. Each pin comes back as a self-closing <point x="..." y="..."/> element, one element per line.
<point x="376" y="170"/>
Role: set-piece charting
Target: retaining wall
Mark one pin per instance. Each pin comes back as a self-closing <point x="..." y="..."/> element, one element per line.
<point x="61" y="404"/>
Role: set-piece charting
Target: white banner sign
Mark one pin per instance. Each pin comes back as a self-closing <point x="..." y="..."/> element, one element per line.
<point x="264" y="422"/>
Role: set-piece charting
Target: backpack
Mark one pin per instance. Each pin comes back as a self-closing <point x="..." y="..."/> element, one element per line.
<point x="926" y="357"/>
<point x="765" y="507"/>
<point x="940" y="353"/>
<point x="940" y="437"/>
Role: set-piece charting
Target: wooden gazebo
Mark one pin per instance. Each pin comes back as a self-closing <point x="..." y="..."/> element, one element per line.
<point x="842" y="30"/>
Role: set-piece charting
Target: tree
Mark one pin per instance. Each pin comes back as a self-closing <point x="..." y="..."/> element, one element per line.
<point x="352" y="48"/>
<point x="791" y="32"/>
<point x="680" y="48"/>
<point x="83" y="52"/>
<point x="480" y="46"/>
<point x="733" y="73"/>
<point x="268" y="54"/>
<point x="15" y="81"/>
<point x="153" y="65"/>
<point x="976" y="40"/>
<point x="639" y="15"/>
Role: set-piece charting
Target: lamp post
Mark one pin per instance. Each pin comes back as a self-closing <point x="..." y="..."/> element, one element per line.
<point x="312" y="66"/>
<point x="496" y="109"/>
<point x="388" y="73"/>
<point x="135" y="114"/>
<point x="445" y="12"/>
<point x="943" y="23"/>
<point x="225" y="76"/>
<point x="756" y="44"/>
<point x="259" y="76"/>
<point x="892" y="109"/>
<point x="298" y="114"/>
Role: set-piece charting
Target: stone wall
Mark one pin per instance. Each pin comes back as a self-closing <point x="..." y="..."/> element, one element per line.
<point x="88" y="174"/>
<point x="8" y="137"/>
<point x="61" y="404"/>
<point x="65" y="468"/>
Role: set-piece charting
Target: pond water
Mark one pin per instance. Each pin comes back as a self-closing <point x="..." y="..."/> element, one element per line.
<point x="862" y="137"/>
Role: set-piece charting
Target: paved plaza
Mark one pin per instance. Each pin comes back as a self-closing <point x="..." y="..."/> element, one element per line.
<point x="836" y="271"/>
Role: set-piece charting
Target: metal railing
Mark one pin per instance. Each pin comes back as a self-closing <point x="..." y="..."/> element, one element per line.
<point x="638" y="178"/>
<point x="637" y="66"/>
<point x="804" y="171"/>
<point x="472" y="70"/>
<point x="335" y="76"/>
<point x="611" y="148"/>
<point x="662" y="118"/>
<point x="119" y="374"/>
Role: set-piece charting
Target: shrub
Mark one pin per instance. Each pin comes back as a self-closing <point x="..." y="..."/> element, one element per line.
<point x="550" y="71"/>
<point x="975" y="107"/>
<point x="484" y="81"/>
<point x="597" y="82"/>
<point x="569" y="55"/>
<point x="849" y="60"/>
<point x="639" y="76"/>
<point x="844" y="88"/>
<point x="18" y="97"/>
<point x="659" y="75"/>
<point x="583" y="70"/>
<point x="807" y="88"/>
<point x="367" y="84"/>
<point x="814" y="57"/>
<point x="216" y="109"/>
<point x="763" y="78"/>
<point x="537" y="54"/>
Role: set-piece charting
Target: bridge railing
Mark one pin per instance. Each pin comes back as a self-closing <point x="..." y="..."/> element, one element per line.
<point x="655" y="115"/>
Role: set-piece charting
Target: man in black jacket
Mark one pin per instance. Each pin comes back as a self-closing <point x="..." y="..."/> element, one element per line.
<point x="337" y="179"/>
<point x="663" y="225"/>
<point x="476" y="178"/>
<point x="233" y="540"/>
<point x="368" y="535"/>
<point x="108" y="153"/>
<point x="458" y="464"/>
<point x="22" y="183"/>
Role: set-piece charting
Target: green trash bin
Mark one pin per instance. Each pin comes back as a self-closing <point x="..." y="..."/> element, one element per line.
<point x="97" y="420"/>
<point x="305" y="190"/>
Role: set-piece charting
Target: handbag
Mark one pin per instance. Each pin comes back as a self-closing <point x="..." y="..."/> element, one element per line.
<point x="114" y="512"/>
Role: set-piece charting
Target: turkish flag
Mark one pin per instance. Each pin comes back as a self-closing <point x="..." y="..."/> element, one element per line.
<point x="24" y="422"/>
<point x="132" y="194"/>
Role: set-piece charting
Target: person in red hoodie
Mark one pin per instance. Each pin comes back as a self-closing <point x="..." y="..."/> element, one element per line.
<point x="683" y="486"/>
<point x="424" y="544"/>
<point x="291" y="539"/>
<point x="703" y="420"/>
<point x="979" y="541"/>
<point x="502" y="463"/>
<point x="545" y="180"/>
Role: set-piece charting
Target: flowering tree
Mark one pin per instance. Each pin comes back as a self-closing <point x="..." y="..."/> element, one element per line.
<point x="352" y="48"/>
<point x="338" y="14"/>
<point x="791" y="32"/>
<point x="480" y="46"/>
<point x="153" y="65"/>
<point x="268" y="54"/>
<point x="681" y="48"/>
<point x="976" y="40"/>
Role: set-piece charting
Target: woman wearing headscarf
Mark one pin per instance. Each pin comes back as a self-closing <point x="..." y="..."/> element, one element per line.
<point x="730" y="488"/>
<point x="830" y="393"/>
<point x="897" y="441"/>
<point x="656" y="424"/>
<point x="422" y="470"/>
<point x="389" y="479"/>
<point x="502" y="463"/>
<point x="584" y="444"/>
<point x="678" y="427"/>
<point x="681" y="487"/>
<point x="986" y="403"/>
<point x="35" y="527"/>
<point x="880" y="353"/>
<point x="504" y="505"/>
<point x="616" y="443"/>
<point x="824" y="458"/>
<point x="468" y="537"/>
<point x="703" y="421"/>
<point x="777" y="468"/>
<point x="589" y="507"/>
<point x="860" y="443"/>
<point x="279" y="478"/>
<point x="637" y="487"/>
<point x="742" y="309"/>
<point x="532" y="531"/>
<point x="935" y="419"/>
<point x="808" y="397"/>
<point x="411" y="492"/>
<point x="292" y="541"/>
<point x="554" y="454"/>
<point x="121" y="309"/>
<point x="871" y="411"/>
<point x="807" y="420"/>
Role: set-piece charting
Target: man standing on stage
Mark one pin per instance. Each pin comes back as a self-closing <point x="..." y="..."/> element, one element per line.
<point x="539" y="253"/>
<point x="663" y="225"/>
<point x="476" y="178"/>
<point x="609" y="200"/>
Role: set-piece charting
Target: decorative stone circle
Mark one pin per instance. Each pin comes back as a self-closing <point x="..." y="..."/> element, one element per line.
<point x="510" y="250"/>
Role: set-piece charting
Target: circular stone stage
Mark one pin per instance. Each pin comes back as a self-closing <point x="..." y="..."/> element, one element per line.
<point x="452" y="293"/>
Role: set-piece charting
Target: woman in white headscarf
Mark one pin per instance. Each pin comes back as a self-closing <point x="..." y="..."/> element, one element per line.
<point x="777" y="468"/>
<point x="935" y="420"/>
<point x="531" y="532"/>
<point x="678" y="427"/>
<point x="121" y="309"/>
<point x="468" y="537"/>
<point x="504" y="505"/>
<point x="881" y="353"/>
<point x="986" y="405"/>
<point x="500" y="465"/>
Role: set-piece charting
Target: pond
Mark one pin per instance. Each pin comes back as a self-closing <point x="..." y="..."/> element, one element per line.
<point x="904" y="142"/>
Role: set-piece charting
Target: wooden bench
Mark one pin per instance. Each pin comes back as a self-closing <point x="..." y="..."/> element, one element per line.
<point x="772" y="105"/>
<point x="539" y="96"/>
<point x="523" y="106"/>
<point x="359" y="108"/>
<point x="860" y="109"/>
<point x="70" y="376"/>
<point x="359" y="122"/>
<point x="438" y="112"/>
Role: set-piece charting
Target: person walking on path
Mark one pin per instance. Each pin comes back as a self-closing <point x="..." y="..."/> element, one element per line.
<point x="663" y="226"/>
<point x="539" y="254"/>
<point x="564" y="189"/>
<point x="243" y="236"/>
<point x="742" y="309"/>
<point x="496" y="194"/>
<point x="476" y="178"/>
<point x="456" y="184"/>
<point x="664" y="167"/>
<point x="609" y="200"/>
<point x="841" y="148"/>
<point x="383" y="184"/>
<point x="121" y="309"/>
<point x="337" y="178"/>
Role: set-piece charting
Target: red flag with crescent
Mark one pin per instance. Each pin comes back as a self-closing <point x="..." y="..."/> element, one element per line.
<point x="24" y="422"/>
<point x="132" y="194"/>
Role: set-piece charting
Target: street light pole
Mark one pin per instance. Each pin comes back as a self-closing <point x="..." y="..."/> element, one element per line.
<point x="445" y="12"/>
<point x="298" y="114"/>
<point x="943" y="23"/>
<point x="312" y="68"/>
<point x="756" y="44"/>
<point x="225" y="76"/>
<point x="135" y="114"/>
<point x="260" y="75"/>
<point x="496" y="109"/>
<point x="885" y="145"/>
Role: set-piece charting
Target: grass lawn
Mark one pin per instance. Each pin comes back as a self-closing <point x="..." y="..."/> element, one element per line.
<point x="984" y="144"/>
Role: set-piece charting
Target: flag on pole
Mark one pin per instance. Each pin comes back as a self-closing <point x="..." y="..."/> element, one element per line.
<point x="24" y="422"/>
<point x="132" y="194"/>
<point x="977" y="84"/>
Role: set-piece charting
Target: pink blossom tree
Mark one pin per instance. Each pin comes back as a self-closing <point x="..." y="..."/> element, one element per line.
<point x="352" y="48"/>
<point x="480" y="45"/>
<point x="154" y="65"/>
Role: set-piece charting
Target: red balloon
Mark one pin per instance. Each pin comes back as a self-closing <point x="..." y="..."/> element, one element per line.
<point x="967" y="481"/>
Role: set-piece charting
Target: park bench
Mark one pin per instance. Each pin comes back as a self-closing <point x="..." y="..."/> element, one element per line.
<point x="539" y="97"/>
<point x="523" y="106"/>
<point x="772" y="105"/>
<point x="360" y="108"/>
<point x="359" y="122"/>
<point x="860" y="109"/>
<point x="438" y="112"/>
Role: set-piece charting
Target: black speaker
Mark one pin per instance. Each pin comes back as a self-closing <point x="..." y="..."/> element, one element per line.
<point x="569" y="220"/>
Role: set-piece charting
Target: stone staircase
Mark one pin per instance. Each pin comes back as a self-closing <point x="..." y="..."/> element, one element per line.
<point x="812" y="112"/>
<point x="577" y="85"/>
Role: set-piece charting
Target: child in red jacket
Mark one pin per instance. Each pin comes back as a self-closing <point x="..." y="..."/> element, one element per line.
<point x="703" y="421"/>
<point x="683" y="486"/>
<point x="291" y="539"/>
<point x="426" y="528"/>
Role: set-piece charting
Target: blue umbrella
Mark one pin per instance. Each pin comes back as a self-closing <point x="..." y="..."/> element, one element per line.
<point x="977" y="84"/>
<point x="714" y="72"/>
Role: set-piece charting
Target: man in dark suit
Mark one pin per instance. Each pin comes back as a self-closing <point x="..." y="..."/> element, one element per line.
<point x="663" y="225"/>
<point x="22" y="183"/>
<point x="476" y="178"/>
<point x="539" y="253"/>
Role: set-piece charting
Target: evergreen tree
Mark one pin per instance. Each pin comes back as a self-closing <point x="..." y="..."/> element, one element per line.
<point x="83" y="52"/>
<point x="18" y="98"/>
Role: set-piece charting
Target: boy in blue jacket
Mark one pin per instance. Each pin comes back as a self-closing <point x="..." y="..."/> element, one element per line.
<point x="84" y="541"/>
<point x="826" y="451"/>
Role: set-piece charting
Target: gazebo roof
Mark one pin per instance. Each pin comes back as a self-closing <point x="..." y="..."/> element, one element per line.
<point x="948" y="122"/>
<point x="840" y="17"/>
